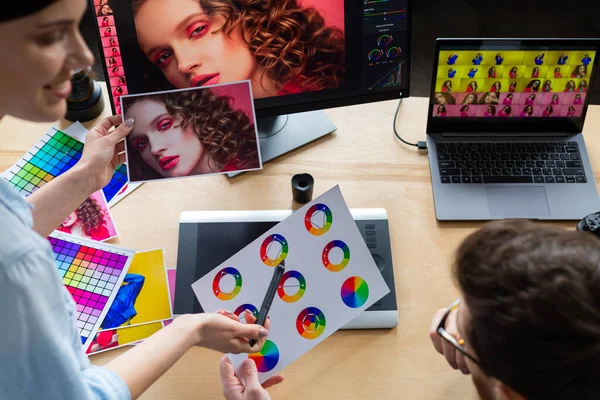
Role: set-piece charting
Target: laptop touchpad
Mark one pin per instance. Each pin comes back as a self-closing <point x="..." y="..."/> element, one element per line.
<point x="517" y="202"/>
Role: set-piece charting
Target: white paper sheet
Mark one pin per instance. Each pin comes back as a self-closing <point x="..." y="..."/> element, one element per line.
<point x="298" y="325"/>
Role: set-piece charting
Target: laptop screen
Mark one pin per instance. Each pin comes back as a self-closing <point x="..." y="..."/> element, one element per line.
<point x="502" y="83"/>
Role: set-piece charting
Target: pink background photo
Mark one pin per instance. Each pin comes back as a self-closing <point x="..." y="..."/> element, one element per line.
<point x="240" y="94"/>
<point x="111" y="21"/>
<point x="331" y="10"/>
<point x="108" y="52"/>
<point x="106" y="42"/>
<point x="565" y="111"/>
<point x="515" y="100"/>
<point x="569" y="98"/>
<point x="117" y="59"/>
<point x="105" y="34"/>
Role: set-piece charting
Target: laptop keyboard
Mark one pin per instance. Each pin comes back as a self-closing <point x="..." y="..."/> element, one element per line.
<point x="510" y="162"/>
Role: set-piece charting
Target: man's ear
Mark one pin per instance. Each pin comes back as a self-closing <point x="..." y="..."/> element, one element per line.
<point x="504" y="392"/>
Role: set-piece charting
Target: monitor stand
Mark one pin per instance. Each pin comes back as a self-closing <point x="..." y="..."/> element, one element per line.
<point x="284" y="133"/>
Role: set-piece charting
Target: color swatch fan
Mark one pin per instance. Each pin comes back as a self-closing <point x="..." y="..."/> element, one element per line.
<point x="93" y="273"/>
<point x="330" y="278"/>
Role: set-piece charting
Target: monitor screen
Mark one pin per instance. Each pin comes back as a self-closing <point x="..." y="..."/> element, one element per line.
<point x="299" y="55"/>
<point x="499" y="82"/>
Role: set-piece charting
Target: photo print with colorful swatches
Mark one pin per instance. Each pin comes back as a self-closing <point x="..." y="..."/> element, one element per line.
<point x="161" y="146"/>
<point x="330" y="278"/>
<point x="92" y="273"/>
<point x="54" y="154"/>
<point x="502" y="84"/>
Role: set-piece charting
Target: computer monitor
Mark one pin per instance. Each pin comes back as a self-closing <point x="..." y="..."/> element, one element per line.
<point x="300" y="55"/>
<point x="489" y="85"/>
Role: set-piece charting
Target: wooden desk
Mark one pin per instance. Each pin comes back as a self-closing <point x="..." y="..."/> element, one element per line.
<point x="373" y="169"/>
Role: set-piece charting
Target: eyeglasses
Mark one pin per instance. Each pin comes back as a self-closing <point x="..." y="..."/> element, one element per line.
<point x="458" y="344"/>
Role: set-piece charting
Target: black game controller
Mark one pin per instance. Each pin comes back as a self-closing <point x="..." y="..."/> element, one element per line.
<point x="591" y="223"/>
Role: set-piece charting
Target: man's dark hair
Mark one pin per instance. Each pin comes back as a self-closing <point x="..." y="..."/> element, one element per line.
<point x="533" y="292"/>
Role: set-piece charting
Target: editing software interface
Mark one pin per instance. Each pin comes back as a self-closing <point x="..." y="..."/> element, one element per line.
<point x="504" y="83"/>
<point x="385" y="41"/>
<point x="304" y="53"/>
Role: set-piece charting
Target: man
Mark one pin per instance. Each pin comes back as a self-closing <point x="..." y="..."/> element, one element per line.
<point x="528" y="326"/>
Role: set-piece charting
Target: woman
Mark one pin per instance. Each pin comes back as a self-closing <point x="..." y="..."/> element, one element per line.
<point x="188" y="133"/>
<point x="282" y="47"/>
<point x="112" y="41"/>
<point x="527" y="111"/>
<point x="108" y="32"/>
<point x="471" y="98"/>
<point x="118" y="91"/>
<point x="472" y="87"/>
<point x="508" y="99"/>
<point x="105" y="22"/>
<point x="583" y="86"/>
<point x="444" y="98"/>
<point x="496" y="87"/>
<point x="580" y="71"/>
<point x="530" y="100"/>
<point x="513" y="87"/>
<point x="87" y="221"/>
<point x="473" y="72"/>
<point x="464" y="111"/>
<point x="105" y="10"/>
<point x="578" y="100"/>
<point x="121" y="80"/>
<point x="115" y="52"/>
<point x="491" y="112"/>
<point x="505" y="112"/>
<point x="557" y="73"/>
<point x="555" y="100"/>
<point x="533" y="86"/>
<point x="116" y="71"/>
<point x="569" y="87"/>
<point x="112" y="61"/>
<point x="571" y="112"/>
<point x="548" y="111"/>
<point x="492" y="72"/>
<point x="441" y="111"/>
<point x="535" y="73"/>
<point x="489" y="98"/>
<point x="447" y="87"/>
<point x="514" y="72"/>
<point x="547" y="88"/>
<point x="41" y="350"/>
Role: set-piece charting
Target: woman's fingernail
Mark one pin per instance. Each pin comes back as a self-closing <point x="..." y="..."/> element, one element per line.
<point x="263" y="332"/>
<point x="465" y="371"/>
<point x="129" y="122"/>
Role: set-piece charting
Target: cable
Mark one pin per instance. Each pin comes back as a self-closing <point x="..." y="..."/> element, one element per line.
<point x="421" y="145"/>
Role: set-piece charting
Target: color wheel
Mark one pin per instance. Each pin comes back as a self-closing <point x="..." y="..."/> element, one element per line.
<point x="355" y="292"/>
<point x="266" y="248"/>
<point x="217" y="283"/>
<point x="300" y="283"/>
<point x="325" y="256"/>
<point x="250" y="307"/>
<point x="311" y="323"/>
<point x="318" y="219"/>
<point x="267" y="358"/>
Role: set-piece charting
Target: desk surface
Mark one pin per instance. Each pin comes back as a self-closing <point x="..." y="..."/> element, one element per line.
<point x="373" y="169"/>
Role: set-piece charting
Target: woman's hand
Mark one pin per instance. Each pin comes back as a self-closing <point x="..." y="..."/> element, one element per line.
<point x="234" y="389"/>
<point x="104" y="150"/>
<point x="225" y="333"/>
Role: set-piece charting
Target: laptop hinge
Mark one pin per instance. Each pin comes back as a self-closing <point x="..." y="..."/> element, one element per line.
<point x="505" y="134"/>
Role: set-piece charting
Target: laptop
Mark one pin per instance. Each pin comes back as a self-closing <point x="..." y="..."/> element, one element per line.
<point x="504" y="130"/>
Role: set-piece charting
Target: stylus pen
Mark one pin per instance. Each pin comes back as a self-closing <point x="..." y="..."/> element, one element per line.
<point x="268" y="300"/>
